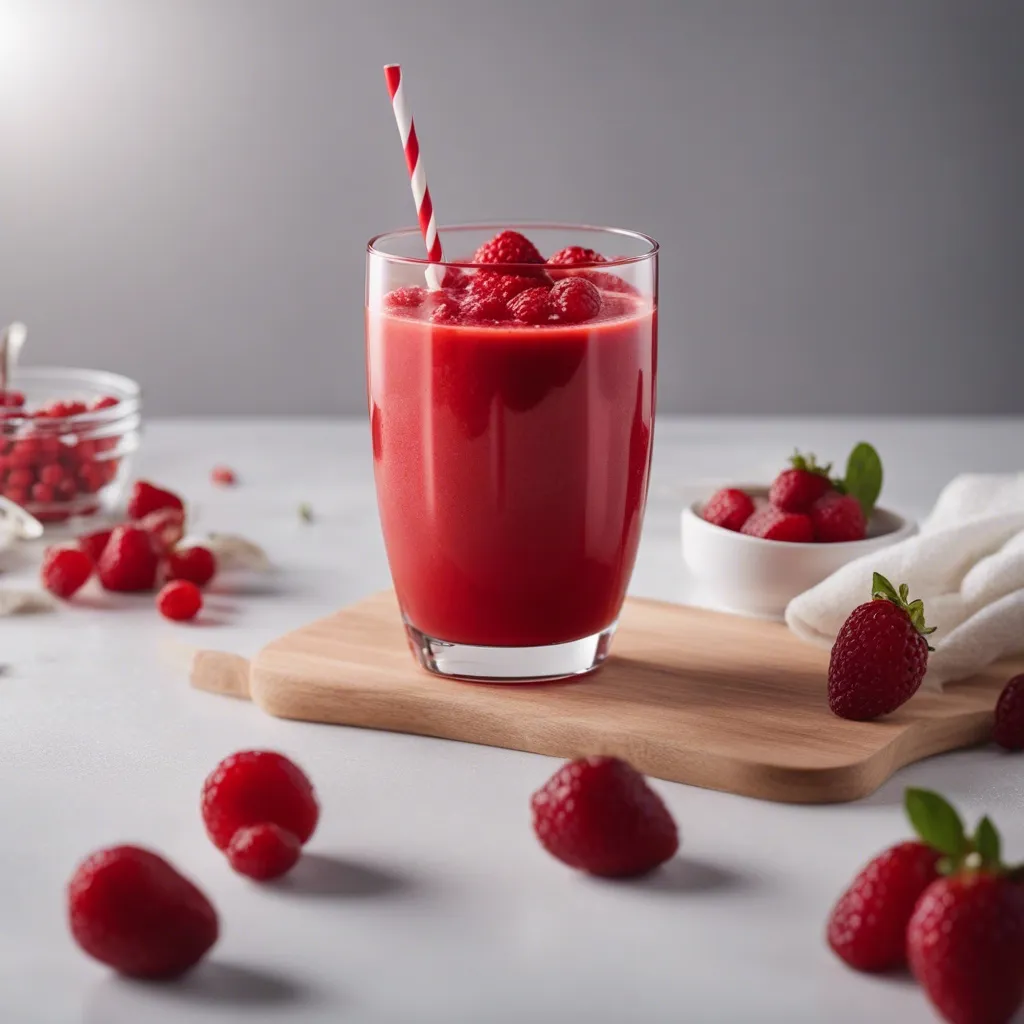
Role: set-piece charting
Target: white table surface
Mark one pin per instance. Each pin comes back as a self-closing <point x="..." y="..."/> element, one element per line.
<point x="425" y="897"/>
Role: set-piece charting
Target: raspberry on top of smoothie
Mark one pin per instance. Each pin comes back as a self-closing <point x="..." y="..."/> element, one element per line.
<point x="562" y="290"/>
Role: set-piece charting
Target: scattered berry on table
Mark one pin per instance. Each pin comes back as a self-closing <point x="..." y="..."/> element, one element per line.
<point x="880" y="654"/>
<point x="798" y="488"/>
<point x="263" y="851"/>
<point x="729" y="508"/>
<point x="868" y="926"/>
<point x="93" y="544"/>
<point x="131" y="910"/>
<point x="574" y="300"/>
<point x="129" y="561"/>
<point x="146" y="497"/>
<point x="225" y="476"/>
<point x="180" y="601"/>
<point x="196" y="564"/>
<point x="598" y="814"/>
<point x="1008" y="730"/>
<point x="65" y="571"/>
<point x="255" y="787"/>
<point x="770" y="523"/>
<point x="838" y="518"/>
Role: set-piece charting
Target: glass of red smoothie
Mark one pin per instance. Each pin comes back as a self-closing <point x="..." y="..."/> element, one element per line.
<point x="511" y="394"/>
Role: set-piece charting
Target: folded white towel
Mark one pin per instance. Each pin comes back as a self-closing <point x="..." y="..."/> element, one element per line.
<point x="966" y="564"/>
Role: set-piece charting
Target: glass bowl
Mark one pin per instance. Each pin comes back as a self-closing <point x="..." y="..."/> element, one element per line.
<point x="67" y="437"/>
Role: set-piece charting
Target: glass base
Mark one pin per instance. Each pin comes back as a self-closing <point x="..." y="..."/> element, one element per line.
<point x="510" y="664"/>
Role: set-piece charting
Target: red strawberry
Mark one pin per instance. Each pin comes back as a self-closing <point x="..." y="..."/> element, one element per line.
<point x="965" y="944"/>
<point x="165" y="526"/>
<point x="837" y="518"/>
<point x="255" y="787"/>
<point x="880" y="655"/>
<point x="65" y="571"/>
<point x="574" y="300"/>
<point x="147" y="497"/>
<point x="508" y="247"/>
<point x="179" y="601"/>
<point x="129" y="561"/>
<point x="263" y="851"/>
<point x="798" y="488"/>
<point x="599" y="815"/>
<point x="130" y="909"/>
<point x="1008" y="731"/>
<point x="94" y="543"/>
<point x="729" y="508"/>
<point x="224" y="476"/>
<point x="197" y="564"/>
<point x="868" y="926"/>
<point x="531" y="306"/>
<point x="770" y="523"/>
<point x="574" y="256"/>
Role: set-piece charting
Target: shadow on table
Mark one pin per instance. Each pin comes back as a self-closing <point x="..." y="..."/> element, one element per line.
<point x="687" y="876"/>
<point x="320" y="875"/>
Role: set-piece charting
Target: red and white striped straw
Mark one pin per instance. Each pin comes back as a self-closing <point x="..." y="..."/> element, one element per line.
<point x="417" y="175"/>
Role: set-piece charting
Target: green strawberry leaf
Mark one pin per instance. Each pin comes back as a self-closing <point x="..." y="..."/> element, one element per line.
<point x="864" y="477"/>
<point x="882" y="589"/>
<point x="987" y="843"/>
<point x="935" y="820"/>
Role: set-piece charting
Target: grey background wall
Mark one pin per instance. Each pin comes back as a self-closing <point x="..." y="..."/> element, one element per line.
<point x="186" y="186"/>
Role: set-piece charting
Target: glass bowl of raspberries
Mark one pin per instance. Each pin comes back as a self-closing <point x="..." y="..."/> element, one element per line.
<point x="66" y="440"/>
<point x="752" y="549"/>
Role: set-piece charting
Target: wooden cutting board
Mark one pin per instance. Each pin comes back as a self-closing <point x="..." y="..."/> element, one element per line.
<point x="688" y="695"/>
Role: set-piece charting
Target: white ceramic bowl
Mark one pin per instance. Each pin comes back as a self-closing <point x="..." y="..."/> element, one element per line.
<point x="752" y="576"/>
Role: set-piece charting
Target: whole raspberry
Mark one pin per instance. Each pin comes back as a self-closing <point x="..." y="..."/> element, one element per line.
<point x="838" y="518"/>
<point x="257" y="787"/>
<point x="574" y="256"/>
<point x="485" y="309"/>
<point x="868" y="926"/>
<point x="179" y="601"/>
<point x="65" y="571"/>
<point x="147" y="497"/>
<point x="129" y="561"/>
<point x="798" y="488"/>
<point x="508" y="247"/>
<point x="196" y="564"/>
<point x="770" y="523"/>
<point x="599" y="815"/>
<point x="1008" y="730"/>
<point x="502" y="287"/>
<point x="445" y="312"/>
<point x="263" y="851"/>
<point x="93" y="544"/>
<point x="455" y="280"/>
<point x="729" y="508"/>
<point x="531" y="306"/>
<point x="223" y="476"/>
<point x="405" y="298"/>
<point x="574" y="300"/>
<point x="131" y="910"/>
<point x="880" y="655"/>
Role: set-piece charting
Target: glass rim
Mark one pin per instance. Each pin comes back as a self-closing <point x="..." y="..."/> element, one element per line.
<point x="422" y="261"/>
<point x="127" y="392"/>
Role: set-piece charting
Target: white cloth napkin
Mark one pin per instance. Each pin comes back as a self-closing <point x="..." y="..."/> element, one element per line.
<point x="966" y="564"/>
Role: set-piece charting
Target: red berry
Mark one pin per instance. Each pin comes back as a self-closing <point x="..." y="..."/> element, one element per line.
<point x="880" y="655"/>
<point x="837" y="518"/>
<point x="1008" y="731"/>
<point x="503" y="287"/>
<point x="599" y="815"/>
<point x="12" y="399"/>
<point x="223" y="475"/>
<point x="729" y="508"/>
<point x="129" y="561"/>
<point x="16" y="494"/>
<point x="179" y="601"/>
<point x="93" y="544"/>
<point x="65" y="571"/>
<point x="91" y="477"/>
<point x="147" y="497"/>
<point x="609" y="283"/>
<point x="106" y="402"/>
<point x="131" y="910"/>
<point x="508" y="247"/>
<point x="771" y="523"/>
<point x="574" y="300"/>
<point x="455" y="280"/>
<point x="196" y="564"/>
<point x="44" y="494"/>
<point x="405" y="298"/>
<point x="483" y="309"/>
<point x="165" y="527"/>
<point x="868" y="926"/>
<point x="574" y="256"/>
<point x="21" y="478"/>
<point x="445" y="312"/>
<point x="798" y="488"/>
<point x="263" y="851"/>
<point x="531" y="306"/>
<point x="965" y="944"/>
<point x="51" y="474"/>
<point x="255" y="787"/>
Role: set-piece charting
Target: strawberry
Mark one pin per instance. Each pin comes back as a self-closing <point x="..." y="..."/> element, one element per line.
<point x="599" y="815"/>
<point x="770" y="523"/>
<point x="880" y="655"/>
<point x="798" y="488"/>
<point x="129" y="561"/>
<point x="179" y="601"/>
<point x="130" y="909"/>
<point x="65" y="571"/>
<point x="94" y="543"/>
<point x="508" y="247"/>
<point x="868" y="926"/>
<point x="729" y="508"/>
<point x="165" y="526"/>
<point x="196" y="564"/>
<point x="837" y="518"/>
<point x="147" y="497"/>
<point x="1008" y="730"/>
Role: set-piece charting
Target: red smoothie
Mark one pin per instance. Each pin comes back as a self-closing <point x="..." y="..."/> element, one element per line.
<point x="511" y="465"/>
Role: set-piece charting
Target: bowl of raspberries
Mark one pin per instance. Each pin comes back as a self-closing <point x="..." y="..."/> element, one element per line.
<point x="754" y="548"/>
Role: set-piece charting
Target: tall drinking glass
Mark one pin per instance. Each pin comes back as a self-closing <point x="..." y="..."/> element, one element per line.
<point x="511" y="458"/>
